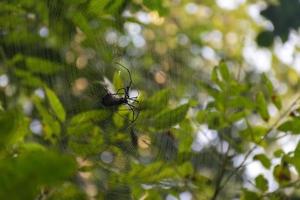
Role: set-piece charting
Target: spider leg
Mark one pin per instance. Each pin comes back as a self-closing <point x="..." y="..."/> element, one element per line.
<point x="135" y="114"/>
<point x="134" y="100"/>
<point x="126" y="118"/>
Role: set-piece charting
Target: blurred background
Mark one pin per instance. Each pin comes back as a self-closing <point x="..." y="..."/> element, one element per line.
<point x="57" y="57"/>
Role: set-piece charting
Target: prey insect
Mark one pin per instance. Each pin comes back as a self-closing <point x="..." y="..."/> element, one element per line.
<point x="114" y="99"/>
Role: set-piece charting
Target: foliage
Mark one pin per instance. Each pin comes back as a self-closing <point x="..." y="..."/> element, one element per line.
<point x="201" y="106"/>
<point x="284" y="16"/>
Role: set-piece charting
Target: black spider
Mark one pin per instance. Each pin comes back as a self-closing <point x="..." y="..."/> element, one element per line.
<point x="110" y="100"/>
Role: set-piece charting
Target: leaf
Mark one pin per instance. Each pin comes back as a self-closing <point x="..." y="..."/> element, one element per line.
<point x="262" y="106"/>
<point x="214" y="75"/>
<point x="239" y="102"/>
<point x="80" y="21"/>
<point x="55" y="104"/>
<point x="278" y="153"/>
<point x="266" y="81"/>
<point x="97" y="7"/>
<point x="261" y="183"/>
<point x="86" y="140"/>
<point x="282" y="173"/>
<point x="201" y="116"/>
<point x="31" y="170"/>
<point x="265" y="38"/>
<point x="295" y="160"/>
<point x="277" y="101"/>
<point x="156" y="5"/>
<point x="67" y="191"/>
<point x="264" y="160"/>
<point x="224" y="72"/>
<point x="51" y="126"/>
<point x="158" y="170"/>
<point x="92" y="115"/>
<point x="254" y="133"/>
<point x="158" y="101"/>
<point x="117" y="81"/>
<point x="13" y="127"/>
<point x="249" y="195"/>
<point x="186" y="169"/>
<point x="292" y="125"/>
<point x="184" y="136"/>
<point x="28" y="79"/>
<point x="215" y="120"/>
<point x="168" y="118"/>
<point x="120" y="117"/>
<point x="42" y="66"/>
<point x="84" y="127"/>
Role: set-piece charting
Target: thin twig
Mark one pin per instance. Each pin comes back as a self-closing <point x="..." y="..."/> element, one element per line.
<point x="221" y="174"/>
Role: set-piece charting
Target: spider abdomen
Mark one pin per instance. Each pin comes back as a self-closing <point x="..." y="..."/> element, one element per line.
<point x="110" y="100"/>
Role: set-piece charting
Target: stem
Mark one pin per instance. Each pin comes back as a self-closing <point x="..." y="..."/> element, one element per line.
<point x="218" y="187"/>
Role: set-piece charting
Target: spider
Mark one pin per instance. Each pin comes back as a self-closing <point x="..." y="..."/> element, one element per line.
<point x="113" y="99"/>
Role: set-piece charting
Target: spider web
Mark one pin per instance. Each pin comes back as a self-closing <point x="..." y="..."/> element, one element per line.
<point x="112" y="144"/>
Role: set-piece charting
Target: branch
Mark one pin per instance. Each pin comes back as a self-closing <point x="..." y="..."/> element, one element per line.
<point x="271" y="128"/>
<point x="218" y="187"/>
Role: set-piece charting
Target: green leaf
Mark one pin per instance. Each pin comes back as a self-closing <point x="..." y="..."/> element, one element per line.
<point x="201" y="116"/>
<point x="80" y="21"/>
<point x="84" y="127"/>
<point x="265" y="38"/>
<point x="278" y="153"/>
<point x="31" y="170"/>
<point x="262" y="106"/>
<point x="157" y="5"/>
<point x="158" y="101"/>
<point x="184" y="136"/>
<point x="234" y="117"/>
<point x="266" y="81"/>
<point x="277" y="101"/>
<point x="158" y="170"/>
<point x="186" y="169"/>
<point x="215" y="120"/>
<point x="92" y="115"/>
<point x="261" y="183"/>
<point x="254" y="134"/>
<point x="55" y="104"/>
<point x="42" y="66"/>
<point x="292" y="125"/>
<point x="28" y="79"/>
<point x="120" y="116"/>
<point x="67" y="191"/>
<point x="214" y="75"/>
<point x="168" y="118"/>
<point x="224" y="72"/>
<point x="282" y="173"/>
<point x="249" y="195"/>
<point x="264" y="160"/>
<point x="239" y="102"/>
<point x="13" y="127"/>
<point x="117" y="80"/>
<point x="295" y="160"/>
<point x="85" y="140"/>
<point x="97" y="7"/>
<point x="51" y="126"/>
